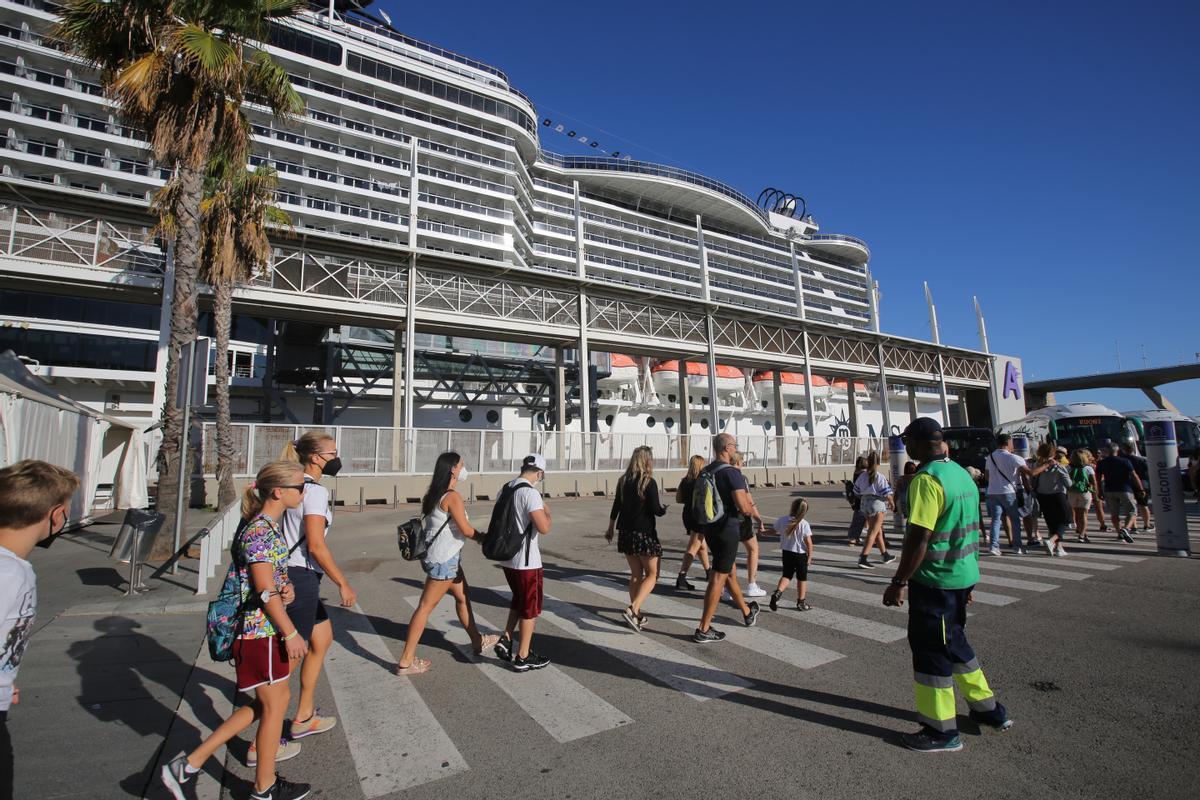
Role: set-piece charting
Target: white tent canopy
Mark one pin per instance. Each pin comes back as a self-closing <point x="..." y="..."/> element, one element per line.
<point x="37" y="422"/>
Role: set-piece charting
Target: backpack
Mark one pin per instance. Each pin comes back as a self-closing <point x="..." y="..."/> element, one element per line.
<point x="708" y="510"/>
<point x="504" y="537"/>
<point x="410" y="536"/>
<point x="226" y="614"/>
<point x="851" y="497"/>
<point x="1080" y="482"/>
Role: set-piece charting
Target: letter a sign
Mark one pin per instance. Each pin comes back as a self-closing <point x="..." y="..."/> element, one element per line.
<point x="1012" y="381"/>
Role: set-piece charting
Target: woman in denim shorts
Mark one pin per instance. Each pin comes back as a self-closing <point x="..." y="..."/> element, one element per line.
<point x="446" y="528"/>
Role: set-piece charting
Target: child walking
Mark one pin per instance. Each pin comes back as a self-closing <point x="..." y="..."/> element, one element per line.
<point x="795" y="539"/>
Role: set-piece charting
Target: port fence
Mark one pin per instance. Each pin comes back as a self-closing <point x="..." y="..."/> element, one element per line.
<point x="368" y="451"/>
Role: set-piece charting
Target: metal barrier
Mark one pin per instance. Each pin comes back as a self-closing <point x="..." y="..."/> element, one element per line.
<point x="214" y="539"/>
<point x="403" y="451"/>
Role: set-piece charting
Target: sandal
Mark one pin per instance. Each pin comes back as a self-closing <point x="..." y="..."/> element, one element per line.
<point x="486" y="643"/>
<point x="419" y="666"/>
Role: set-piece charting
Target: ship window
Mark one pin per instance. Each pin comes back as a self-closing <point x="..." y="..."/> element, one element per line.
<point x="795" y="426"/>
<point x="704" y="400"/>
<point x="767" y="425"/>
<point x="465" y="415"/>
<point x="764" y="402"/>
<point x="287" y="38"/>
<point x="493" y="416"/>
<point x="608" y="420"/>
<point x="704" y="423"/>
<point x="650" y="422"/>
<point x="669" y="422"/>
<point x="670" y="398"/>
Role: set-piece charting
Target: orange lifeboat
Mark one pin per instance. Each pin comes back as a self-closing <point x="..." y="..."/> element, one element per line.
<point x="666" y="377"/>
<point x="792" y="383"/>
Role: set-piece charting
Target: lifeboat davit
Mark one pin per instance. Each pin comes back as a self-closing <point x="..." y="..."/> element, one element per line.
<point x="792" y="384"/>
<point x="666" y="378"/>
<point x="623" y="371"/>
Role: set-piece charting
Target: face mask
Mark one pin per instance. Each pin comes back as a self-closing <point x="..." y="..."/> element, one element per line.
<point x="332" y="467"/>
<point x="463" y="474"/>
<point x="54" y="534"/>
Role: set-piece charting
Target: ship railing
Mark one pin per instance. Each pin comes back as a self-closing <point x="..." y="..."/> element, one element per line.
<point x="376" y="451"/>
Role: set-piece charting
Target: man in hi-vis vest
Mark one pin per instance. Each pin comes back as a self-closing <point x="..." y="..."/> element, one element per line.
<point x="939" y="567"/>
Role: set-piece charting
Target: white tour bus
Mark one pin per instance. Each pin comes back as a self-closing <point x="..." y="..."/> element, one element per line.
<point x="1187" y="432"/>
<point x="1072" y="425"/>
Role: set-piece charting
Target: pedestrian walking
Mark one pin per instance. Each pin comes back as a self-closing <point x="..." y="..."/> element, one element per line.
<point x="445" y="528"/>
<point x="634" y="511"/>
<point x="939" y="567"/>
<point x="1118" y="482"/>
<point x="35" y="500"/>
<point x="875" y="494"/>
<point x="1005" y="471"/>
<point x="1082" y="490"/>
<point x="269" y="644"/>
<point x="796" y="549"/>
<point x="529" y="514"/>
<point x="910" y="469"/>
<point x="1141" y="468"/>
<point x="748" y="536"/>
<point x="305" y="530"/>
<point x="696" y="547"/>
<point x="722" y="534"/>
<point x="1051" y="482"/>
<point x="857" y="522"/>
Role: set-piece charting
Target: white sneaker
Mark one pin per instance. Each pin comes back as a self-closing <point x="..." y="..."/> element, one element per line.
<point x="995" y="551"/>
<point x="1049" y="547"/>
<point x="1061" y="551"/>
<point x="753" y="590"/>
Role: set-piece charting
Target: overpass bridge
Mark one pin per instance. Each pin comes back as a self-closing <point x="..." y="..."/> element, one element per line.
<point x="1041" y="393"/>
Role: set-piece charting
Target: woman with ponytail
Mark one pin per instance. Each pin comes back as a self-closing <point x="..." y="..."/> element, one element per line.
<point x="446" y="528"/>
<point x="269" y="643"/>
<point x="795" y="542"/>
<point x="875" y="495"/>
<point x="305" y="529"/>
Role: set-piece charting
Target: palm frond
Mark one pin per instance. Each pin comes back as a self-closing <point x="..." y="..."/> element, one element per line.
<point x="269" y="81"/>
<point x="216" y="57"/>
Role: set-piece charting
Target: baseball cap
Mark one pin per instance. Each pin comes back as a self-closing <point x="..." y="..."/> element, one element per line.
<point x="535" y="460"/>
<point x="923" y="429"/>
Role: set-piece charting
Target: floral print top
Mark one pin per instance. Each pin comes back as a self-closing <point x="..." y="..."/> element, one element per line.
<point x="261" y="542"/>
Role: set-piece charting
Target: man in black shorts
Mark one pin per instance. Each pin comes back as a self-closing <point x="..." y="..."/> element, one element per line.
<point x="723" y="535"/>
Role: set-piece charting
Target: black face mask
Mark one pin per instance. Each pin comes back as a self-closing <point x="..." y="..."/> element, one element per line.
<point x="332" y="467"/>
<point x="54" y="534"/>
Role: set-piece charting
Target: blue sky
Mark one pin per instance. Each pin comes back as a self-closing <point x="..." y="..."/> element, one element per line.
<point x="1042" y="156"/>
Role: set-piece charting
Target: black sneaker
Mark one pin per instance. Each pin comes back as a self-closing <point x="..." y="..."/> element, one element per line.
<point x="752" y="617"/>
<point x="1000" y="714"/>
<point x="864" y="564"/>
<point x="888" y="558"/>
<point x="802" y="605"/>
<point x="533" y="661"/>
<point x="503" y="649"/>
<point x="926" y="741"/>
<point x="681" y="583"/>
<point x="710" y="635"/>
<point x="283" y="790"/>
<point x="774" y="602"/>
<point x="175" y="774"/>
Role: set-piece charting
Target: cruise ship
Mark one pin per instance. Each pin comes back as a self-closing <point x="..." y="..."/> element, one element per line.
<point x="446" y="268"/>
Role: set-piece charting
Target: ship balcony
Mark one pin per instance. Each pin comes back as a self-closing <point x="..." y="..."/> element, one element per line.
<point x="845" y="247"/>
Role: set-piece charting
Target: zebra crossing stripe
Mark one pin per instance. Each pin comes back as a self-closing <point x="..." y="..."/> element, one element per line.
<point x="560" y="704"/>
<point x="1080" y="549"/>
<point x="984" y="578"/>
<point x="989" y="564"/>
<point x="794" y="652"/>
<point x="371" y="700"/>
<point x="983" y="597"/>
<point x="1013" y="583"/>
<point x="875" y="599"/>
<point x="680" y="671"/>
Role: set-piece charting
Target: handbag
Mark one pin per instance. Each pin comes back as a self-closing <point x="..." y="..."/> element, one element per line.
<point x="410" y="536"/>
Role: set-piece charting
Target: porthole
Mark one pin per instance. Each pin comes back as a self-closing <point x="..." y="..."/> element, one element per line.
<point x="608" y="420"/>
<point x="650" y="422"/>
<point x="465" y="415"/>
<point x="767" y="425"/>
<point x="669" y="422"/>
<point x="704" y="423"/>
<point x="493" y="416"/>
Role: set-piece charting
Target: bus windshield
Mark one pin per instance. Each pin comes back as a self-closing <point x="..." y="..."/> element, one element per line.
<point x="1186" y="435"/>
<point x="1074" y="432"/>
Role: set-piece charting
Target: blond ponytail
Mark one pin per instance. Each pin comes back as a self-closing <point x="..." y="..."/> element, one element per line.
<point x="269" y="478"/>
<point x="302" y="450"/>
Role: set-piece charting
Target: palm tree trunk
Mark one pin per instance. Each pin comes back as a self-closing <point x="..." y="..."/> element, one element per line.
<point x="222" y="314"/>
<point x="183" y="333"/>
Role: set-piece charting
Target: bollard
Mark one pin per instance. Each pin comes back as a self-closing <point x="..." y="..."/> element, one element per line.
<point x="1166" y="489"/>
<point x="1020" y="446"/>
<point x="395" y="497"/>
<point x="898" y="456"/>
<point x="362" y="500"/>
<point x="576" y="489"/>
<point x="606" y="487"/>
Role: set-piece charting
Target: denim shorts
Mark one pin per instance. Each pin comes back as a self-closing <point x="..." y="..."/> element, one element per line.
<point x="873" y="505"/>
<point x="443" y="570"/>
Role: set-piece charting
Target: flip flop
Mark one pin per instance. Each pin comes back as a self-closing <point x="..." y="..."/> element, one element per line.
<point x="417" y="667"/>
<point x="487" y="643"/>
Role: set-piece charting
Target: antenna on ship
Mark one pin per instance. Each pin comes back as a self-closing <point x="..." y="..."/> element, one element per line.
<point x="982" y="325"/>
<point x="933" y="326"/>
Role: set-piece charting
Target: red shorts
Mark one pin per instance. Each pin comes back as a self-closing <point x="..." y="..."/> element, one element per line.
<point x="526" y="585"/>
<point x="260" y="661"/>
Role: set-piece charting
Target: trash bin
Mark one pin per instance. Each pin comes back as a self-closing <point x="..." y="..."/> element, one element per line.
<point x="148" y="525"/>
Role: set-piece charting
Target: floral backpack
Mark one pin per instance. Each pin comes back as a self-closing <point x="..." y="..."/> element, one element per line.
<point x="227" y="613"/>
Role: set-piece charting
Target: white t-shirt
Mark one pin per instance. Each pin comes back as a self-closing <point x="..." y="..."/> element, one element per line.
<point x="525" y="503"/>
<point x="316" y="504"/>
<point x="865" y="487"/>
<point x="18" y="607"/>
<point x="795" y="542"/>
<point x="1002" y="461"/>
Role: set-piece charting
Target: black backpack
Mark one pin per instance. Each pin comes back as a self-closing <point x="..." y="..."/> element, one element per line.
<point x="504" y="537"/>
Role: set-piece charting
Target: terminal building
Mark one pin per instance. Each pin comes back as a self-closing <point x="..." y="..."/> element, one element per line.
<point x="448" y="272"/>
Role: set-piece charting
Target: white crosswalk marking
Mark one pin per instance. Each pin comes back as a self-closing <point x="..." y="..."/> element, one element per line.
<point x="984" y="578"/>
<point x="984" y="597"/>
<point x="1013" y="583"/>
<point x="826" y="589"/>
<point x="680" y="671"/>
<point x="561" y="705"/>
<point x="1083" y="550"/>
<point x="989" y="564"/>
<point x="1072" y="559"/>
<point x="790" y="651"/>
<point x="370" y="701"/>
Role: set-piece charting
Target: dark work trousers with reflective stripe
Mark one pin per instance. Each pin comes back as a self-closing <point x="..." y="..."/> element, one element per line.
<point x="942" y="657"/>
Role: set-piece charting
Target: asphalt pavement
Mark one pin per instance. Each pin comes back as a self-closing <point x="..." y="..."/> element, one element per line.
<point x="1094" y="654"/>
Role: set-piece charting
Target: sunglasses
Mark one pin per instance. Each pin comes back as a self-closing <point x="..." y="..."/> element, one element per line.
<point x="297" y="486"/>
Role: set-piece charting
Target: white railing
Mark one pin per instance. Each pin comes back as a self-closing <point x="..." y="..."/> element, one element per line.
<point x="215" y="538"/>
<point x="400" y="451"/>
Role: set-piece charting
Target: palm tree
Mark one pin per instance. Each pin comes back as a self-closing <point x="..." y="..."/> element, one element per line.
<point x="237" y="212"/>
<point x="180" y="70"/>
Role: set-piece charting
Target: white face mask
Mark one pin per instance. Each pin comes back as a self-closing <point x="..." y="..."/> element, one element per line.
<point x="463" y="474"/>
